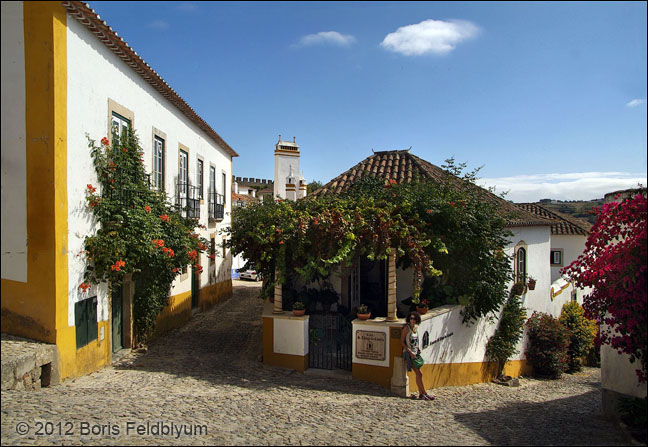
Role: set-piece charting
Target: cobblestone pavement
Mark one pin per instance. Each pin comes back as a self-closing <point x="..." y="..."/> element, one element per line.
<point x="207" y="377"/>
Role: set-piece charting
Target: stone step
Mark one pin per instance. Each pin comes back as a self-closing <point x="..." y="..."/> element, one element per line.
<point x="28" y="364"/>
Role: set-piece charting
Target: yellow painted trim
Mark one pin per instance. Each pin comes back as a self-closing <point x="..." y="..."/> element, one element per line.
<point x="174" y="315"/>
<point x="213" y="294"/>
<point x="460" y="374"/>
<point x="555" y="294"/>
<point x="38" y="309"/>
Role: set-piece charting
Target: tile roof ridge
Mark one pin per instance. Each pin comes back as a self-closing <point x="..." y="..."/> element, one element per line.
<point x="86" y="16"/>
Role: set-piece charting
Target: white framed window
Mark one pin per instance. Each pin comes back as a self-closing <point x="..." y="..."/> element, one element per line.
<point x="119" y="124"/>
<point x="183" y="174"/>
<point x="521" y="264"/>
<point x="199" y="178"/>
<point x="224" y="180"/>
<point x="158" y="162"/>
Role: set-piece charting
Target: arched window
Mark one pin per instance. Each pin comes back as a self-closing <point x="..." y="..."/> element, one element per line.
<point x="521" y="270"/>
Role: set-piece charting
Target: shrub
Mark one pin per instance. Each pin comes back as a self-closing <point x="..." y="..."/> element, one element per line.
<point x="548" y="343"/>
<point x="582" y="334"/>
<point x="501" y="346"/>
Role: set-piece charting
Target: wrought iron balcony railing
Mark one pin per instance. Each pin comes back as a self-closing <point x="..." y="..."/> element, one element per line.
<point x="216" y="205"/>
<point x="187" y="200"/>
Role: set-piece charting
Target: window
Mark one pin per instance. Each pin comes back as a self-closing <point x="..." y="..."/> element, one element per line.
<point x="212" y="249"/>
<point x="212" y="179"/>
<point x="199" y="179"/>
<point x="158" y="163"/>
<point x="183" y="175"/>
<point x="85" y="318"/>
<point x="556" y="257"/>
<point x="119" y="125"/>
<point x="224" y="187"/>
<point x="521" y="270"/>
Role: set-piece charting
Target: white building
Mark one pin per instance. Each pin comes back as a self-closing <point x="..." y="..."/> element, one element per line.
<point x="65" y="74"/>
<point x="455" y="352"/>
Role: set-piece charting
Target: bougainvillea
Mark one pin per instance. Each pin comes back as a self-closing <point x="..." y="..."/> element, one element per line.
<point x="614" y="265"/>
<point x="441" y="229"/>
<point x="140" y="232"/>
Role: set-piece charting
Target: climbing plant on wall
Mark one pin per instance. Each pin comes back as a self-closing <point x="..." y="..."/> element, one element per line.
<point x="441" y="229"/>
<point x="139" y="231"/>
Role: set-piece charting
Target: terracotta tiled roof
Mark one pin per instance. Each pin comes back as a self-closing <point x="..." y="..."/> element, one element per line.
<point x="91" y="20"/>
<point x="404" y="167"/>
<point x="561" y="224"/>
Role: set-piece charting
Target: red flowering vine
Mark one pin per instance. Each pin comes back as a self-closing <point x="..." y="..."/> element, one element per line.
<point x="118" y="265"/>
<point x="164" y="217"/>
<point x="614" y="265"/>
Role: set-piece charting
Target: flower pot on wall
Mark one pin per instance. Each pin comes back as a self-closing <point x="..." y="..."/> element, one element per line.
<point x="364" y="316"/>
<point x="422" y="310"/>
<point x="299" y="313"/>
<point x="532" y="284"/>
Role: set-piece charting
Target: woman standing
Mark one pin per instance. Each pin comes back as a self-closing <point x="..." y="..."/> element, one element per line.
<point x="410" y="344"/>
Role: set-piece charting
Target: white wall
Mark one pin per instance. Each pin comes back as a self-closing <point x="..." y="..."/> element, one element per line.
<point x="538" y="240"/>
<point x="290" y="335"/>
<point x="572" y="245"/>
<point x="95" y="74"/>
<point x="14" y="161"/>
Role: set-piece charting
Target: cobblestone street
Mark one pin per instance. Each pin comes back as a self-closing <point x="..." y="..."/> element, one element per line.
<point x="207" y="377"/>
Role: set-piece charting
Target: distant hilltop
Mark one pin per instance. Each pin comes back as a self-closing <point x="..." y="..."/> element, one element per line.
<point x="580" y="209"/>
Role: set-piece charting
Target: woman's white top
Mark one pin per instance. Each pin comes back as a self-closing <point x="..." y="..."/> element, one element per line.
<point x="412" y="339"/>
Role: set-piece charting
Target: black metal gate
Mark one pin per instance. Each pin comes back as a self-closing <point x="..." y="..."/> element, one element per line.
<point x="329" y="342"/>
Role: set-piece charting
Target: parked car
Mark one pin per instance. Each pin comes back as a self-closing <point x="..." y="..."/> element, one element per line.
<point x="250" y="274"/>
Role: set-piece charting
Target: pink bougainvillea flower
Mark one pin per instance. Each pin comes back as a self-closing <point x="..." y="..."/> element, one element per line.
<point x="84" y="287"/>
<point x="91" y="188"/>
<point x="164" y="217"/>
<point x="104" y="141"/>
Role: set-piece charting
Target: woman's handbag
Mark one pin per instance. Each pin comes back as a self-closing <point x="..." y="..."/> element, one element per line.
<point x="418" y="361"/>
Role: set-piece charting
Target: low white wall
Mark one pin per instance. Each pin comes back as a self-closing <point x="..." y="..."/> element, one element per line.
<point x="290" y="335"/>
<point x="618" y="374"/>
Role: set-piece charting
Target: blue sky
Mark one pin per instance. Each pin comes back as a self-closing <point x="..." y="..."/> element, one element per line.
<point x="550" y="98"/>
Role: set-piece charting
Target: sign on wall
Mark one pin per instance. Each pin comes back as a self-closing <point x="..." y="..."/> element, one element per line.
<point x="371" y="345"/>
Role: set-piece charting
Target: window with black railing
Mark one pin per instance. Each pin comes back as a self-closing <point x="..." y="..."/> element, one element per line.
<point x="188" y="200"/>
<point x="216" y="205"/>
<point x="122" y="191"/>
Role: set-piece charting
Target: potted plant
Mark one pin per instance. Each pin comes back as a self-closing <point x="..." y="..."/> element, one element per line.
<point x="363" y="312"/>
<point x="532" y="283"/>
<point x="298" y="308"/>
<point x="518" y="289"/>
<point x="423" y="306"/>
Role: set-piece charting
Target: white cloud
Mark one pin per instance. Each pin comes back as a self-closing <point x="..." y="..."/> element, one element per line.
<point x="327" y="37"/>
<point x="570" y="186"/>
<point x="636" y="102"/>
<point x="159" y="25"/>
<point x="429" y="36"/>
<point x="187" y="6"/>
